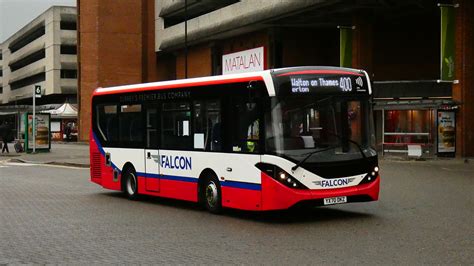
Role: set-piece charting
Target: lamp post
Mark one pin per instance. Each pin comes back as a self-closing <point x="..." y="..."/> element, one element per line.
<point x="36" y="94"/>
<point x="185" y="38"/>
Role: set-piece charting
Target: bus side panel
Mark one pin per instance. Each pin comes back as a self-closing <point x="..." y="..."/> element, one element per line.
<point x="119" y="158"/>
<point x="98" y="168"/>
<point x="96" y="161"/>
<point x="182" y="190"/>
<point x="244" y="199"/>
<point x="142" y="186"/>
<point x="108" y="178"/>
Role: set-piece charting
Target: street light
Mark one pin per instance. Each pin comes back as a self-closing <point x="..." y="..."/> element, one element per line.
<point x="36" y="94"/>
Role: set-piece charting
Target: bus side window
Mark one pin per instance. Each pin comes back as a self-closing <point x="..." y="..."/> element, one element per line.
<point x="207" y="125"/>
<point x="246" y="126"/>
<point x="175" y="126"/>
<point x="107" y="122"/>
<point x="131" y="124"/>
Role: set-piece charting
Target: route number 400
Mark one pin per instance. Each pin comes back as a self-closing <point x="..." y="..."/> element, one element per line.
<point x="345" y="84"/>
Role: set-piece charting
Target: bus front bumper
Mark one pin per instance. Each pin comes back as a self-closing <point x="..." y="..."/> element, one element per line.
<point x="276" y="196"/>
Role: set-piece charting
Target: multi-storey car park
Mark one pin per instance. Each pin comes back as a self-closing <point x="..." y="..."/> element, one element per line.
<point x="43" y="52"/>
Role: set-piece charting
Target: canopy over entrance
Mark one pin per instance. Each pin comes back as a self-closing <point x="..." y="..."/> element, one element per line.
<point x="66" y="110"/>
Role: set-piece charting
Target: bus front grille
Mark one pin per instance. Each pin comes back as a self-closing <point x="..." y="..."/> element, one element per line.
<point x="96" y="163"/>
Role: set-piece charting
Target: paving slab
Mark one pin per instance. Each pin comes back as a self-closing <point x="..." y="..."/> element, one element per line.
<point x="72" y="154"/>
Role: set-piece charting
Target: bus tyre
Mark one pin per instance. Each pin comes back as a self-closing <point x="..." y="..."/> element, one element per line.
<point x="130" y="186"/>
<point x="212" y="195"/>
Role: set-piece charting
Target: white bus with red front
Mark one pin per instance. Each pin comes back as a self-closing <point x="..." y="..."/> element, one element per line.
<point x="255" y="141"/>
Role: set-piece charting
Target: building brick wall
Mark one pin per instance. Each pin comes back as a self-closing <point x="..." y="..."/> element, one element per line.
<point x="199" y="62"/>
<point x="401" y="50"/>
<point x="305" y="47"/>
<point x="362" y="42"/>
<point x="112" y="48"/>
<point x="463" y="92"/>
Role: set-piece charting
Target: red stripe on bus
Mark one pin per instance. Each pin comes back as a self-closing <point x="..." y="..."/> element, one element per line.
<point x="305" y="72"/>
<point x="178" y="85"/>
<point x="239" y="198"/>
<point x="170" y="189"/>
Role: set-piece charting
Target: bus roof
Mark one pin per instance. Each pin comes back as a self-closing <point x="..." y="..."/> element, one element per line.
<point x="265" y="76"/>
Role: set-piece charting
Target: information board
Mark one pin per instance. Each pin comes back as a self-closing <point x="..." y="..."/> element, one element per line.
<point x="446" y="132"/>
<point x="43" y="129"/>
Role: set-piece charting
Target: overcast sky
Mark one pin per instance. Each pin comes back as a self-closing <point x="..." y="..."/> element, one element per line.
<point x="14" y="14"/>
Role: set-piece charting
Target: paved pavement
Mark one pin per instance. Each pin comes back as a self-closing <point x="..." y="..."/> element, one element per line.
<point x="51" y="214"/>
<point x="76" y="154"/>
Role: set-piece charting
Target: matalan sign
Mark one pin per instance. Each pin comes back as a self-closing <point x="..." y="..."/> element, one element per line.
<point x="244" y="61"/>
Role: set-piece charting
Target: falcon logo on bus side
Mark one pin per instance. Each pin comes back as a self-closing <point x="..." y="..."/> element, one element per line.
<point x="176" y="162"/>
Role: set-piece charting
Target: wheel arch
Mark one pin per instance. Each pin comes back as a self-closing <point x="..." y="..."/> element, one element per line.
<point x="202" y="177"/>
<point x="126" y="167"/>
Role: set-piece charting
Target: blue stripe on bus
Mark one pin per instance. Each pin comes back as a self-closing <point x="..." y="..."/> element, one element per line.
<point x="149" y="175"/>
<point x="233" y="184"/>
<point x="170" y="177"/>
<point x="179" y="178"/>
<point x="243" y="185"/>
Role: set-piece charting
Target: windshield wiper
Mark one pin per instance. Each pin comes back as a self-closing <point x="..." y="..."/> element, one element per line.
<point x="309" y="155"/>
<point x="349" y="140"/>
<point x="329" y="148"/>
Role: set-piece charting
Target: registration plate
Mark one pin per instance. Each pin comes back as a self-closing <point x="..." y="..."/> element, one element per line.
<point x="335" y="200"/>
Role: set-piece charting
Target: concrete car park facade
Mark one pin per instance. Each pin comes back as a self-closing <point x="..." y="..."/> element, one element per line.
<point x="42" y="53"/>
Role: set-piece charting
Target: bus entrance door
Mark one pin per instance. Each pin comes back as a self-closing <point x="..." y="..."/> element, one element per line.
<point x="152" y="166"/>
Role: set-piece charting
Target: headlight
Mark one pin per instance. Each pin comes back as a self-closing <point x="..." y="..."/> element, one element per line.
<point x="371" y="176"/>
<point x="280" y="175"/>
<point x="283" y="176"/>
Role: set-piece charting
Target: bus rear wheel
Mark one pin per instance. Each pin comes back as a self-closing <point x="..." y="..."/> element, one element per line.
<point x="211" y="195"/>
<point x="130" y="186"/>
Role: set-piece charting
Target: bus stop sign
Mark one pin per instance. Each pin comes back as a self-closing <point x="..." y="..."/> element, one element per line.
<point x="37" y="91"/>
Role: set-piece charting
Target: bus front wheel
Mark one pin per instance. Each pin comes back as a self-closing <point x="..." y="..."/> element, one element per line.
<point x="212" y="197"/>
<point x="130" y="185"/>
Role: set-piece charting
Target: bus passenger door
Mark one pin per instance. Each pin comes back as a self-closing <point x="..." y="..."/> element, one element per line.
<point x="152" y="166"/>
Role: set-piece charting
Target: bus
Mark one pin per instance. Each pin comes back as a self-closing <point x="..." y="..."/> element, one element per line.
<point x="256" y="141"/>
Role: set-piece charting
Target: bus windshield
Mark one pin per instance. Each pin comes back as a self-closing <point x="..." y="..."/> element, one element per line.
<point x="329" y="127"/>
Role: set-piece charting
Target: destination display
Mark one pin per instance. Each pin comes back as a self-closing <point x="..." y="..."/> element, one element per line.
<point x="321" y="84"/>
